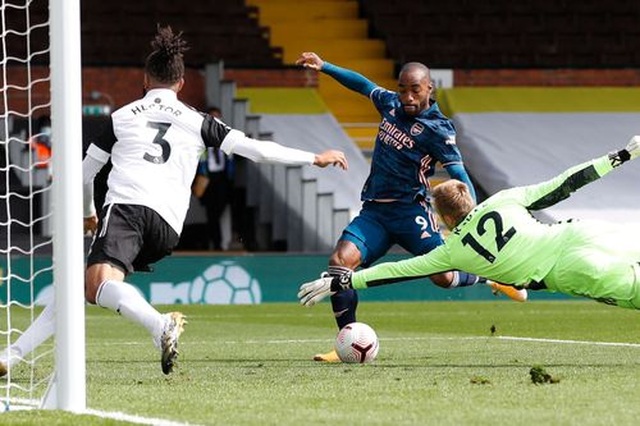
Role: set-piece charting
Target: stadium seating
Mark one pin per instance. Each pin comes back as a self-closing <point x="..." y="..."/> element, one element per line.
<point x="466" y="34"/>
<point x="118" y="32"/>
<point x="337" y="32"/>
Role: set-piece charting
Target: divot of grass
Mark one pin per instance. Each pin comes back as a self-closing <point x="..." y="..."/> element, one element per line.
<point x="540" y="376"/>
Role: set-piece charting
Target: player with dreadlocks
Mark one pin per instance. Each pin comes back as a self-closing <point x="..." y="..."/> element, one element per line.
<point x="154" y="145"/>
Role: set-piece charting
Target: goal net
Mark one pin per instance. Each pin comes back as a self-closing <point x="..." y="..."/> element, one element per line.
<point x="40" y="158"/>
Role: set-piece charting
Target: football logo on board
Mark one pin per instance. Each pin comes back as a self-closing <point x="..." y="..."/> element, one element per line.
<point x="416" y="129"/>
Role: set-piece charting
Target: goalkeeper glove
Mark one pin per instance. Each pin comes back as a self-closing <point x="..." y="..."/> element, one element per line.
<point x="313" y="292"/>
<point x="630" y="152"/>
<point x="633" y="147"/>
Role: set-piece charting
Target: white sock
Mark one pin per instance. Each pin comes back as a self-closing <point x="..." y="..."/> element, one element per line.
<point x="127" y="301"/>
<point x="38" y="331"/>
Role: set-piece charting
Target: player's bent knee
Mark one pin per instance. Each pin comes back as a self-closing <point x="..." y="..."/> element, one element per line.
<point x="346" y="254"/>
<point x="96" y="275"/>
<point x="90" y="292"/>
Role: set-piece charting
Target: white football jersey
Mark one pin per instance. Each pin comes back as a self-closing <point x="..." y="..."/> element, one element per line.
<point x="155" y="144"/>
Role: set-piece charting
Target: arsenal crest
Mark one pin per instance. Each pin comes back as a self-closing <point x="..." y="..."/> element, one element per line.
<point x="416" y="129"/>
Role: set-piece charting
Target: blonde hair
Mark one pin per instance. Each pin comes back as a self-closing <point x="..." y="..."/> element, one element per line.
<point x="453" y="199"/>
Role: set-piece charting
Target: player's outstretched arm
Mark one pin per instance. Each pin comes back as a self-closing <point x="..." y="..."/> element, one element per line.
<point x="418" y="267"/>
<point x="350" y="79"/>
<point x="457" y="171"/>
<point x="546" y="194"/>
<point x="260" y="151"/>
<point x="310" y="60"/>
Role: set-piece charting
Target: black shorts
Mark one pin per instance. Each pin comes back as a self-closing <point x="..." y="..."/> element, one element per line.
<point x="131" y="237"/>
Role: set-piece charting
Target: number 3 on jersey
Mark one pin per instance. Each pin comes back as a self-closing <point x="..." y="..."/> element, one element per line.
<point x="159" y="139"/>
<point x="501" y="237"/>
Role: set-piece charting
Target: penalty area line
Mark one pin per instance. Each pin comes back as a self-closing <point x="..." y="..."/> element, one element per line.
<point x="392" y="339"/>
<point x="569" y="342"/>
<point x="452" y="338"/>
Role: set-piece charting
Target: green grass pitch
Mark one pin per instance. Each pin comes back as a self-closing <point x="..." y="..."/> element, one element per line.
<point x="439" y="364"/>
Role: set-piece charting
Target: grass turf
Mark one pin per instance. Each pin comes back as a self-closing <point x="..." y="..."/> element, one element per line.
<point x="439" y="363"/>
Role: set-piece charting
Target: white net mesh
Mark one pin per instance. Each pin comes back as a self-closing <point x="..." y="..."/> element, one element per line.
<point x="25" y="191"/>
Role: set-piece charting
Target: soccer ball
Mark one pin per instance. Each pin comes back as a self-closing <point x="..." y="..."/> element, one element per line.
<point x="357" y="343"/>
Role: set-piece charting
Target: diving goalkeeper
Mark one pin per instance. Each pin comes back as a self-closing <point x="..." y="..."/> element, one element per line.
<point x="501" y="240"/>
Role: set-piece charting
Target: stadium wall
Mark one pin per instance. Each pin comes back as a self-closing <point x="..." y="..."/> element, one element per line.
<point x="547" y="77"/>
<point x="246" y="279"/>
<point x="124" y="84"/>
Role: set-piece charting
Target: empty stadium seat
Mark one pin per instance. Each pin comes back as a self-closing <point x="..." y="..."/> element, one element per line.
<point x="505" y="34"/>
<point x="118" y="32"/>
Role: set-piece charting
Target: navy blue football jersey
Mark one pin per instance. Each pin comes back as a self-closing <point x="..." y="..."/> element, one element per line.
<point x="407" y="149"/>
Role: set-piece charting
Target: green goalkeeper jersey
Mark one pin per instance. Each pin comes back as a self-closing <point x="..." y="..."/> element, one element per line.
<point x="500" y="239"/>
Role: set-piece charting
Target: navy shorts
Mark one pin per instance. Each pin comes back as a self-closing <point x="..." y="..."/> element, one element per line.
<point x="131" y="238"/>
<point x="378" y="226"/>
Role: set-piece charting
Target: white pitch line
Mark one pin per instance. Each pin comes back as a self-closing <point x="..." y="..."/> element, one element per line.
<point x="387" y="339"/>
<point x="162" y="422"/>
<point x="133" y="418"/>
<point x="426" y="338"/>
<point x="570" y="342"/>
<point x="115" y="415"/>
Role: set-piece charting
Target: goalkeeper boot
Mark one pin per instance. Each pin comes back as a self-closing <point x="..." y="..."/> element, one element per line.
<point x="331" y="356"/>
<point x="519" y="295"/>
<point x="174" y="326"/>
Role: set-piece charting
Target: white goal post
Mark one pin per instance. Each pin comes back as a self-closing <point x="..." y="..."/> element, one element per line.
<point x="27" y="68"/>
<point x="68" y="241"/>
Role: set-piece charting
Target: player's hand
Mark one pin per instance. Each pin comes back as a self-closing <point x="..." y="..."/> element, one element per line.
<point x="91" y="225"/>
<point x="633" y="147"/>
<point x="310" y="60"/>
<point x="331" y="157"/>
<point x="313" y="292"/>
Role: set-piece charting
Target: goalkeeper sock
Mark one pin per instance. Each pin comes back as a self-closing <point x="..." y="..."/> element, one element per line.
<point x="463" y="279"/>
<point x="127" y="301"/>
<point x="344" y="303"/>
